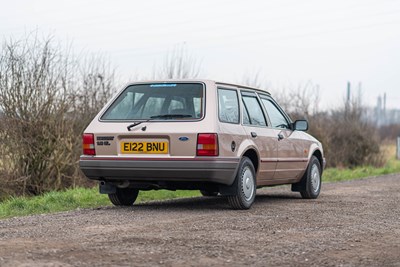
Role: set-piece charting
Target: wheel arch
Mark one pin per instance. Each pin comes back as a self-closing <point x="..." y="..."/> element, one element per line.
<point x="318" y="154"/>
<point x="252" y="154"/>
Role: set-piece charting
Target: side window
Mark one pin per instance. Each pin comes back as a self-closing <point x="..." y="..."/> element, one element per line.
<point x="278" y="120"/>
<point x="253" y="108"/>
<point x="228" y="106"/>
<point x="246" y="119"/>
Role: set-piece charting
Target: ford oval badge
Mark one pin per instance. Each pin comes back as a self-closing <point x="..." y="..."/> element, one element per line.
<point x="183" y="138"/>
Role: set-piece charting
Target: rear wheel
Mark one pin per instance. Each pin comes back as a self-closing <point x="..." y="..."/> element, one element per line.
<point x="245" y="183"/>
<point x="311" y="181"/>
<point x="124" y="196"/>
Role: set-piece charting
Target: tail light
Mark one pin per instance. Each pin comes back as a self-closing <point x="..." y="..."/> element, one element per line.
<point x="207" y="144"/>
<point x="88" y="144"/>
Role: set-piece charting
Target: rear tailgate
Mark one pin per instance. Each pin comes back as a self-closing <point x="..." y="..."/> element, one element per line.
<point x="155" y="139"/>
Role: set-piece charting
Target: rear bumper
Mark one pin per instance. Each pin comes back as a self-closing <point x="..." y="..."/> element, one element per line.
<point x="217" y="170"/>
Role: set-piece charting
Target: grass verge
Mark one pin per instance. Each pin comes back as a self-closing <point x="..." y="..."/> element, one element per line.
<point x="343" y="174"/>
<point x="75" y="198"/>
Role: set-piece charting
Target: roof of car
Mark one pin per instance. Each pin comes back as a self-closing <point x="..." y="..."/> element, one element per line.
<point x="244" y="87"/>
<point x="205" y="80"/>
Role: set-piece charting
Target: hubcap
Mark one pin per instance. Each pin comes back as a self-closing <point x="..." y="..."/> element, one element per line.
<point x="247" y="184"/>
<point x="315" y="178"/>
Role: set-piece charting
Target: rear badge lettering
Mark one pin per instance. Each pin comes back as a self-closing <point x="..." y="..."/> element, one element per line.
<point x="104" y="140"/>
<point x="103" y="143"/>
<point x="183" y="138"/>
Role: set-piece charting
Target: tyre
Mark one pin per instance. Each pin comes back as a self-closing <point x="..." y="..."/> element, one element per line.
<point x="245" y="183"/>
<point x="206" y="193"/>
<point x="311" y="181"/>
<point x="124" y="196"/>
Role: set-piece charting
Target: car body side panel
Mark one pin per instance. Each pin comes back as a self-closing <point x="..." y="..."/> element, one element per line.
<point x="292" y="154"/>
<point x="230" y="138"/>
<point x="267" y="146"/>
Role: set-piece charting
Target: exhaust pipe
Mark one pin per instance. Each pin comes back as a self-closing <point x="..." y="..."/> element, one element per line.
<point x="102" y="183"/>
<point x="123" y="184"/>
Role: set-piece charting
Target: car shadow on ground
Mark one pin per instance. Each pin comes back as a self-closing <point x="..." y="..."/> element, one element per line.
<point x="210" y="203"/>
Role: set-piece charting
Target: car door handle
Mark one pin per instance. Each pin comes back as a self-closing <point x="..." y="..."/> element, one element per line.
<point x="280" y="136"/>
<point x="253" y="134"/>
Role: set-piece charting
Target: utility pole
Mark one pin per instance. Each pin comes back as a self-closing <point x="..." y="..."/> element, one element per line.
<point x="348" y="93"/>
<point x="384" y="108"/>
<point x="347" y="105"/>
<point x="398" y="147"/>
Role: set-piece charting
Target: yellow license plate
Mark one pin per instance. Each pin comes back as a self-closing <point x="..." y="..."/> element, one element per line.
<point x="144" y="147"/>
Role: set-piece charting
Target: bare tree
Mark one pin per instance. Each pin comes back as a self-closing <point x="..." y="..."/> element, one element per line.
<point x="305" y="100"/>
<point x="94" y="85"/>
<point x="46" y="103"/>
<point x="33" y="100"/>
<point x="300" y="102"/>
<point x="177" y="64"/>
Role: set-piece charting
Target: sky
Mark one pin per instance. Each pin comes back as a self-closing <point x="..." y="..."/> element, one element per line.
<point x="288" y="43"/>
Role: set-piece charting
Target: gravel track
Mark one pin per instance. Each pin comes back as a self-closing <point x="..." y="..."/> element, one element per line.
<point x="355" y="223"/>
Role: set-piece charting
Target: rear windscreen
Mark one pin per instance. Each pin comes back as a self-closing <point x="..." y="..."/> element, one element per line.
<point x="149" y="101"/>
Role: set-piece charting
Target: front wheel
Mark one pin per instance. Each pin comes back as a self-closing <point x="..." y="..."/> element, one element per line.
<point x="124" y="196"/>
<point x="245" y="183"/>
<point x="312" y="180"/>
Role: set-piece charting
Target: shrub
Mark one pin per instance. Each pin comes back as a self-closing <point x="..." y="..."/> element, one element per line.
<point x="351" y="140"/>
<point x="47" y="97"/>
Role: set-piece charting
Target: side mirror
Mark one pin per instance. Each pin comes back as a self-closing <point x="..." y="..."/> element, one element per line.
<point x="300" y="125"/>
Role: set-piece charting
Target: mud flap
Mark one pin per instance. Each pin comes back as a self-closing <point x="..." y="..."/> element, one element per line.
<point x="300" y="186"/>
<point x="228" y="190"/>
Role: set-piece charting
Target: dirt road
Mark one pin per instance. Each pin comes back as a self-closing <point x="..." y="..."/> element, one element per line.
<point x="353" y="223"/>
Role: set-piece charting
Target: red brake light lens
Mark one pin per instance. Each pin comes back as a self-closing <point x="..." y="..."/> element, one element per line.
<point x="88" y="144"/>
<point x="207" y="144"/>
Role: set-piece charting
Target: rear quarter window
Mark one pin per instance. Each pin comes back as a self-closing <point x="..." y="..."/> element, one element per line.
<point x="228" y="106"/>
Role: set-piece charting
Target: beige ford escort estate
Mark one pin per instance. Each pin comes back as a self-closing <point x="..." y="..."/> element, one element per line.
<point x="218" y="138"/>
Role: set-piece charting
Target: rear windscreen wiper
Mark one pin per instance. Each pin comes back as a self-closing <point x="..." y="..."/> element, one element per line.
<point x="136" y="124"/>
<point x="171" y="116"/>
<point x="164" y="116"/>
